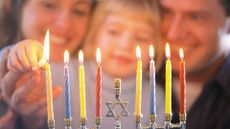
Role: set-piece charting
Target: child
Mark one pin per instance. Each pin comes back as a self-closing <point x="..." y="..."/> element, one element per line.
<point x="117" y="28"/>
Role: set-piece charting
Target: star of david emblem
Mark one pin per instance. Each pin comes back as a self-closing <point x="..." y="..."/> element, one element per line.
<point x="117" y="108"/>
<point x="121" y="106"/>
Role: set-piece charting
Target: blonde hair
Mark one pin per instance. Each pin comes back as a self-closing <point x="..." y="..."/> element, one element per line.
<point x="147" y="10"/>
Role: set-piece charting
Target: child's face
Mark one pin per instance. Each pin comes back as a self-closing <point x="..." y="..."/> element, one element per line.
<point x="118" y="38"/>
<point x="67" y="21"/>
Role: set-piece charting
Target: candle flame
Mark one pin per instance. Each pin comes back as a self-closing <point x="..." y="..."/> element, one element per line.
<point x="81" y="57"/>
<point x="46" y="46"/>
<point x="167" y="50"/>
<point x="181" y="52"/>
<point x="138" y="52"/>
<point x="151" y="51"/>
<point x="66" y="57"/>
<point x="45" y="56"/>
<point x="98" y="55"/>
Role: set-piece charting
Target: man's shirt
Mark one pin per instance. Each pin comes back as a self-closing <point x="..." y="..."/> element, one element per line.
<point x="211" y="110"/>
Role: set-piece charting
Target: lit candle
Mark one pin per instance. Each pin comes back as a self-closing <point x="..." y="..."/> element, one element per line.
<point x="138" y="83"/>
<point x="152" y="82"/>
<point x="168" y="83"/>
<point x="98" y="84"/>
<point x="44" y="62"/>
<point x="67" y="86"/>
<point x="182" y="84"/>
<point x="82" y="86"/>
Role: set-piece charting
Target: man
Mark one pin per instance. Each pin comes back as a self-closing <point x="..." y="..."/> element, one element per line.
<point x="200" y="28"/>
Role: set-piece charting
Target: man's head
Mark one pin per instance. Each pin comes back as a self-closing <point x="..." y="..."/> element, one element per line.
<point x="197" y="27"/>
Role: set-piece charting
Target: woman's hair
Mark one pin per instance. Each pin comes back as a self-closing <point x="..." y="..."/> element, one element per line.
<point x="10" y="15"/>
<point x="147" y="10"/>
<point x="10" y="12"/>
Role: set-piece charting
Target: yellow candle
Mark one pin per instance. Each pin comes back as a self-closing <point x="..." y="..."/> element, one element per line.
<point x="168" y="84"/>
<point x="82" y="86"/>
<point x="49" y="93"/>
<point x="138" y="83"/>
<point x="44" y="62"/>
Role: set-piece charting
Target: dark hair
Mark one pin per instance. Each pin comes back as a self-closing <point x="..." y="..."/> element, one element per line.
<point x="10" y="14"/>
<point x="9" y="23"/>
<point x="226" y="6"/>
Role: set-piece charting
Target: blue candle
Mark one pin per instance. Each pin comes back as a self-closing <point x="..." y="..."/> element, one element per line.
<point x="152" y="82"/>
<point x="67" y="86"/>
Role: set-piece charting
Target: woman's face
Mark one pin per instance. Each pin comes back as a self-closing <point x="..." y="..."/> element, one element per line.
<point x="118" y="38"/>
<point x="67" y="21"/>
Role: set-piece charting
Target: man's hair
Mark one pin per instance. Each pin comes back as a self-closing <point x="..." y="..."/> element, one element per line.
<point x="226" y="6"/>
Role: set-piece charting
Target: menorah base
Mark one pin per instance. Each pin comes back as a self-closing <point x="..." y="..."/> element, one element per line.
<point x="83" y="127"/>
<point x="117" y="125"/>
<point x="68" y="127"/>
<point x="51" y="124"/>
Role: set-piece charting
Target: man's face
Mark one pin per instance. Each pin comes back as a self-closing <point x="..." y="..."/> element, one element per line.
<point x="194" y="26"/>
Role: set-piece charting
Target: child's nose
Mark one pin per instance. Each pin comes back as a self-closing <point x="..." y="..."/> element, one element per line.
<point x="125" y="41"/>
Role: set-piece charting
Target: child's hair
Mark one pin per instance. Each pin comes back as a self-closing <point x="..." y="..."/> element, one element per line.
<point x="147" y="10"/>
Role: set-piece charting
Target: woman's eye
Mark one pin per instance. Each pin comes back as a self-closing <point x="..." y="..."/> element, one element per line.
<point x="81" y="12"/>
<point x="48" y="4"/>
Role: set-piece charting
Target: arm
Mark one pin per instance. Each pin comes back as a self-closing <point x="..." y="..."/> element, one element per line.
<point x="24" y="90"/>
<point x="7" y="117"/>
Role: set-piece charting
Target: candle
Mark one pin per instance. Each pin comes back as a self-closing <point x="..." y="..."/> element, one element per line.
<point x="138" y="83"/>
<point x="44" y="62"/>
<point x="152" y="82"/>
<point x="168" y="84"/>
<point x="182" y="84"/>
<point x="98" y="84"/>
<point x="82" y="86"/>
<point x="67" y="86"/>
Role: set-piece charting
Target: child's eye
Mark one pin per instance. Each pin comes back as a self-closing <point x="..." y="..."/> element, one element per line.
<point x="113" y="32"/>
<point x="142" y="39"/>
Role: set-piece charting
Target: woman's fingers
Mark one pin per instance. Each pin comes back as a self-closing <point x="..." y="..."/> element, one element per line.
<point x="8" y="85"/>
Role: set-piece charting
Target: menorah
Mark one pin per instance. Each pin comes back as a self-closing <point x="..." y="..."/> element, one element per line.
<point x="123" y="104"/>
<point x="118" y="101"/>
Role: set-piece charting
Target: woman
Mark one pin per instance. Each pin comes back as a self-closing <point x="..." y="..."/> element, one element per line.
<point x="67" y="21"/>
